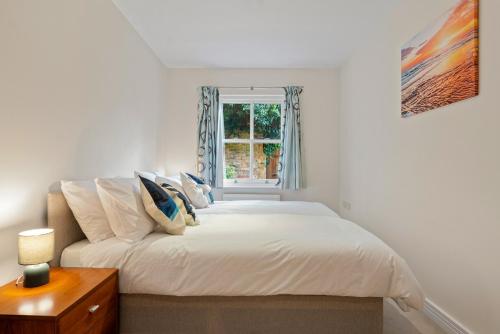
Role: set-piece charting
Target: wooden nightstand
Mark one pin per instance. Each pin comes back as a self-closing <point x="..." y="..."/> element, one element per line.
<point x="76" y="300"/>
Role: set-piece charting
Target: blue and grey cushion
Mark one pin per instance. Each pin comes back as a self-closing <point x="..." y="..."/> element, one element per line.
<point x="194" y="192"/>
<point x="162" y="207"/>
<point x="207" y="191"/>
<point x="186" y="207"/>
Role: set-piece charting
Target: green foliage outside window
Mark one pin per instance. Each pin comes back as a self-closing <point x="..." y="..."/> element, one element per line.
<point x="230" y="172"/>
<point x="236" y="121"/>
<point x="269" y="151"/>
<point x="267" y="121"/>
<point x="267" y="125"/>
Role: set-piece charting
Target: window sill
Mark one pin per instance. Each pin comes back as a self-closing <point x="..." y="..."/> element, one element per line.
<point x="256" y="186"/>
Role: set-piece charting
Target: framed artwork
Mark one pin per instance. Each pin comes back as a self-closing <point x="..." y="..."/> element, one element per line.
<point x="440" y="65"/>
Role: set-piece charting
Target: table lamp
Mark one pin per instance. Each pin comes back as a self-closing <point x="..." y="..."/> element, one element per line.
<point x="36" y="248"/>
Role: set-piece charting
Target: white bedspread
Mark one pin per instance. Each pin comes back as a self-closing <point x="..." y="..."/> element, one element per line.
<point x="250" y="248"/>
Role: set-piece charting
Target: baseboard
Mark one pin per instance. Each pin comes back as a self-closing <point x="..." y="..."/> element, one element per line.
<point x="443" y="319"/>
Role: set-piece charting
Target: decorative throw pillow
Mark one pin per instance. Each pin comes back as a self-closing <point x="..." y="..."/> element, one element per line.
<point x="86" y="206"/>
<point x="162" y="207"/>
<point x="194" y="192"/>
<point x="185" y="207"/>
<point x="207" y="190"/>
<point x="148" y="175"/>
<point x="122" y="203"/>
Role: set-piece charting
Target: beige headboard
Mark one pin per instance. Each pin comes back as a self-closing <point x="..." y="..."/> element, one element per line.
<point x="61" y="219"/>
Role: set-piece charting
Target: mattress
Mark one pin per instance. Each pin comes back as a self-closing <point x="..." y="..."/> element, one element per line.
<point x="70" y="256"/>
<point x="258" y="248"/>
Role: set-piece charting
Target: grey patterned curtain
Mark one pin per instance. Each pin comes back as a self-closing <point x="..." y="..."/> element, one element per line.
<point x="290" y="170"/>
<point x="208" y="128"/>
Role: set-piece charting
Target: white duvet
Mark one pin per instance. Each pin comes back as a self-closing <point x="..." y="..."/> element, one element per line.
<point x="257" y="248"/>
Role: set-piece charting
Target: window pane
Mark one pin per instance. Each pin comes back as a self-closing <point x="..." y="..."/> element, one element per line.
<point x="267" y="157"/>
<point x="237" y="161"/>
<point x="267" y="122"/>
<point x="236" y="121"/>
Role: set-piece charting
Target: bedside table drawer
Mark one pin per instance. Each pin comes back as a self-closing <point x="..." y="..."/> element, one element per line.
<point x="98" y="313"/>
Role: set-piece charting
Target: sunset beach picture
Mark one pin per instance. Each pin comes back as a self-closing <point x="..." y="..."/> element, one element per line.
<point x="440" y="65"/>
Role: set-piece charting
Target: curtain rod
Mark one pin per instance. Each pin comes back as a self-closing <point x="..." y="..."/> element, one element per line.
<point x="249" y="87"/>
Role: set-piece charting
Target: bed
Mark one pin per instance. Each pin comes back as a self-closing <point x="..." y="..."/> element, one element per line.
<point x="250" y="267"/>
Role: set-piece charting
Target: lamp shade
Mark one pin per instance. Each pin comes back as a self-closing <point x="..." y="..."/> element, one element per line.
<point x="35" y="246"/>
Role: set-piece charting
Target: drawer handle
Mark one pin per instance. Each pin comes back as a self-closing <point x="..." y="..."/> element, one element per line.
<point x="93" y="308"/>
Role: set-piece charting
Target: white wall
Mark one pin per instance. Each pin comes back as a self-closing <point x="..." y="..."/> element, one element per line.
<point x="318" y="115"/>
<point x="428" y="185"/>
<point x="80" y="95"/>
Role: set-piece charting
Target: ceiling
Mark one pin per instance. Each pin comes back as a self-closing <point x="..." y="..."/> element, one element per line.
<point x="253" y="33"/>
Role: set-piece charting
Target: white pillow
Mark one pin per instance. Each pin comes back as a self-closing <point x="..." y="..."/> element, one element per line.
<point x="147" y="175"/>
<point x="122" y="202"/>
<point x="86" y="206"/>
<point x="194" y="192"/>
<point x="174" y="181"/>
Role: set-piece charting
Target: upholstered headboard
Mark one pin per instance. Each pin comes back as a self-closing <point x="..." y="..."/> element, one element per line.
<point x="61" y="219"/>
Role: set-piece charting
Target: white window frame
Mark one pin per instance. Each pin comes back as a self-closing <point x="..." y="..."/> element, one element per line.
<point x="251" y="182"/>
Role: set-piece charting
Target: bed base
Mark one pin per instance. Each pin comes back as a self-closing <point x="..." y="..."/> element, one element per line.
<point x="289" y="314"/>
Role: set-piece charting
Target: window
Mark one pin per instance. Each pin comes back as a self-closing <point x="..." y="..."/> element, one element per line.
<point x="252" y="139"/>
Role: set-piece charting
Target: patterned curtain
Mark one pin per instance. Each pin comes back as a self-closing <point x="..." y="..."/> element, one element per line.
<point x="208" y="128"/>
<point x="290" y="171"/>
